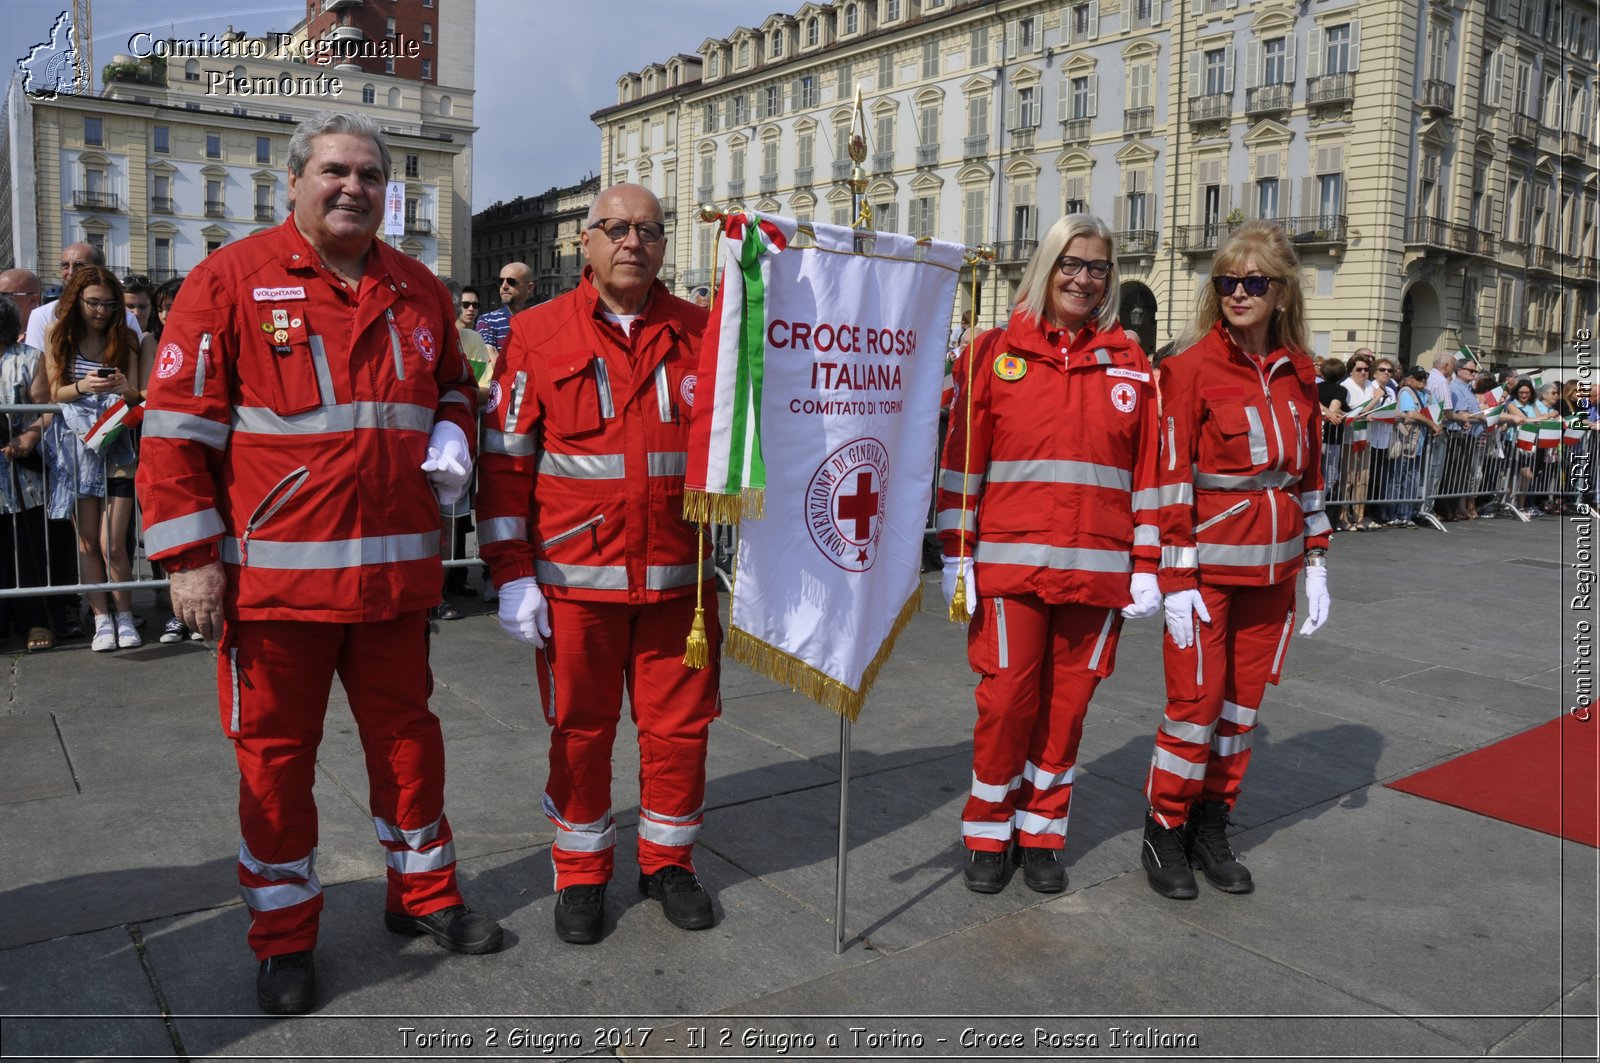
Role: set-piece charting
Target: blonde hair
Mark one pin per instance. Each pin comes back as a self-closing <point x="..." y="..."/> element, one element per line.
<point x="1274" y="257"/>
<point x="1033" y="291"/>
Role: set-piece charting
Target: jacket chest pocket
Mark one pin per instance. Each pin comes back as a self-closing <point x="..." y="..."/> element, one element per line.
<point x="580" y="395"/>
<point x="1237" y="436"/>
<point x="292" y="357"/>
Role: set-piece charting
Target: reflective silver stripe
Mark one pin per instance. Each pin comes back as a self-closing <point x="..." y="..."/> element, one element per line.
<point x="994" y="793"/>
<point x="585" y="842"/>
<point x="997" y="831"/>
<point x="319" y="360"/>
<point x="1176" y="495"/>
<point x="519" y="384"/>
<point x="1283" y="643"/>
<point x="577" y="529"/>
<point x="1178" y="557"/>
<point x="951" y="480"/>
<point x="1198" y="734"/>
<point x="1237" y="507"/>
<point x="1261" y="481"/>
<point x="347" y="417"/>
<point x="455" y="397"/>
<point x="1146" y="535"/>
<point x="666" y="577"/>
<point x="283" y="895"/>
<point x="1175" y="765"/>
<point x="182" y="531"/>
<point x="169" y="424"/>
<point x="582" y="466"/>
<point x="693" y="817"/>
<point x="1257" y="436"/>
<point x="1000" y="632"/>
<point x="1042" y="470"/>
<point x="1047" y="780"/>
<point x="1102" y="356"/>
<point x="1148" y="498"/>
<point x="589" y="577"/>
<point x="303" y="868"/>
<point x="413" y="839"/>
<point x="503" y="530"/>
<point x="335" y="553"/>
<point x="666" y="833"/>
<point x="1217" y="554"/>
<point x="1318" y="524"/>
<point x="1100" y="643"/>
<point x="200" y="364"/>
<point x="394" y="344"/>
<point x="233" y="675"/>
<point x="667" y="462"/>
<point x="411" y="862"/>
<point x="1310" y="501"/>
<point x="1238" y="714"/>
<point x="513" y="444"/>
<point x="1172" y="447"/>
<point x="663" y="397"/>
<point x="1228" y="745"/>
<point x="602" y="377"/>
<point x="951" y="520"/>
<point x="1034" y="823"/>
<point x="1040" y="555"/>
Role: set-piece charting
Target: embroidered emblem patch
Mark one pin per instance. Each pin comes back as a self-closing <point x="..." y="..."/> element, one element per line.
<point x="494" y="397"/>
<point x="169" y="361"/>
<point x="686" y="389"/>
<point x="1124" y="397"/>
<point x="1010" y="367"/>
<point x="423" y="338"/>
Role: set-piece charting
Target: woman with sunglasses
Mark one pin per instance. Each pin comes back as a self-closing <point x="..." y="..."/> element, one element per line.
<point x="1046" y="514"/>
<point x="1241" y="515"/>
<point x="92" y="359"/>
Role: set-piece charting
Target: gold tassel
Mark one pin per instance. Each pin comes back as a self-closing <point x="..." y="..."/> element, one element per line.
<point x="958" y="603"/>
<point x="959" y="614"/>
<point x="696" y="651"/>
<point x="705" y="507"/>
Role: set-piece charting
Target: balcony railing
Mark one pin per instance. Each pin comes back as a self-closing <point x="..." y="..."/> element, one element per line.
<point x="1138" y="119"/>
<point x="1524" y="128"/>
<point x="265" y="213"/>
<point x="1205" y="237"/>
<point x="802" y="176"/>
<point x="1588" y="268"/>
<point x="95" y="200"/>
<point x="1014" y="251"/>
<point x="216" y="208"/>
<point x="705" y="193"/>
<point x="735" y="190"/>
<point x="1461" y="239"/>
<point x="1211" y="108"/>
<point x="927" y="155"/>
<point x="1022" y="138"/>
<point x="1504" y="336"/>
<point x="1307" y="232"/>
<point x="160" y="276"/>
<point x="1542" y="258"/>
<point x="1575" y="145"/>
<point x="841" y="169"/>
<point x="335" y="5"/>
<point x="975" y="147"/>
<point x="882" y="161"/>
<point x="1134" y="242"/>
<point x="349" y="33"/>
<point x="161" y="205"/>
<point x="1265" y="99"/>
<point x="769" y="183"/>
<point x="1439" y="96"/>
<point x="1330" y="88"/>
<point x="420" y="226"/>
<point x="1075" y="130"/>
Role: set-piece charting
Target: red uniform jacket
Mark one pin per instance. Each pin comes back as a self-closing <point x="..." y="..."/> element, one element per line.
<point x="1241" y="466"/>
<point x="286" y="421"/>
<point x="585" y="450"/>
<point x="1061" y="469"/>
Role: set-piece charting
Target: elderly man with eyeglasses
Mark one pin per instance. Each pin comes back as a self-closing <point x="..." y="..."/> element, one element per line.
<point x="580" y="519"/>
<point x="73" y="257"/>
<point x="516" y="293"/>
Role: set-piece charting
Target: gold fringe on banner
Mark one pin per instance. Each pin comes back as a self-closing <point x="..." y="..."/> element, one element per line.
<point x="704" y="507"/>
<point x="803" y="679"/>
<point x="695" y="650"/>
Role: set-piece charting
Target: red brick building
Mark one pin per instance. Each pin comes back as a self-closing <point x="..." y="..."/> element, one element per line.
<point x="395" y="37"/>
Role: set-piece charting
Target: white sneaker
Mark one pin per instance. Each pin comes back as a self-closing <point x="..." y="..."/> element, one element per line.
<point x="127" y="635"/>
<point x="105" y="634"/>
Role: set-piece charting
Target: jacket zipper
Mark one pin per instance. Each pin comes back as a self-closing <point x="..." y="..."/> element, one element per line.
<point x="1003" y="657"/>
<point x="200" y="364"/>
<point x="602" y="377"/>
<point x="1237" y="507"/>
<point x="1299" y="437"/>
<point x="1172" y="446"/>
<point x="663" y="398"/>
<point x="1266" y="390"/>
<point x="590" y="525"/>
<point x="394" y="344"/>
<point x="270" y="503"/>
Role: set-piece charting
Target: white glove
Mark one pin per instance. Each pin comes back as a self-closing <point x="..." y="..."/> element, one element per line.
<point x="960" y="568"/>
<point x="524" y="614"/>
<point x="1182" y="607"/>
<point x="449" y="464"/>
<point x="1146" y="594"/>
<point x="1316" y="599"/>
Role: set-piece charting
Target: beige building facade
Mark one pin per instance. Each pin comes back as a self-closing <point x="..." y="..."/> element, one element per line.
<point x="541" y="231"/>
<point x="1433" y="163"/>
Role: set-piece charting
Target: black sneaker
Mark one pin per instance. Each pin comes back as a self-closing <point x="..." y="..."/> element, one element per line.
<point x="686" y="903"/>
<point x="986" y="871"/>
<point x="175" y="631"/>
<point x="457" y="928"/>
<point x="287" y="984"/>
<point x="1166" y="863"/>
<point x="1206" y="837"/>
<point x="579" y="912"/>
<point x="1041" y="869"/>
<point x="444" y="611"/>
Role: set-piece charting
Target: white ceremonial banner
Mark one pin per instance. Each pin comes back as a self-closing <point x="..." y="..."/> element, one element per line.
<point x="854" y="361"/>
<point x="394" y="209"/>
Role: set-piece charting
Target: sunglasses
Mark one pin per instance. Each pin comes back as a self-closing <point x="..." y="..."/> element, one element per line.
<point x="1360" y="369"/>
<point x="133" y="279"/>
<point x="616" y="230"/>
<point x="509" y="280"/>
<point x="468" y="306"/>
<point x="1254" y="285"/>
<point x="1098" y="268"/>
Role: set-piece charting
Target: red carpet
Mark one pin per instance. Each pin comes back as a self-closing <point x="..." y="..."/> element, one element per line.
<point x="1545" y="778"/>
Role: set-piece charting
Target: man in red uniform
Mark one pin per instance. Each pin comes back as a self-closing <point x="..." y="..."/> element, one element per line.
<point x="308" y="412"/>
<point x="580" y="503"/>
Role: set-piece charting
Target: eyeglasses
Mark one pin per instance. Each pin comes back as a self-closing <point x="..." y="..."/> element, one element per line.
<point x="1254" y="285"/>
<point x="33" y="294"/>
<point x="1465" y="369"/>
<point x="511" y="281"/>
<point x="1098" y="268"/>
<point x="1384" y="369"/>
<point x="101" y="304"/>
<point x="616" y="230"/>
<point x="468" y="306"/>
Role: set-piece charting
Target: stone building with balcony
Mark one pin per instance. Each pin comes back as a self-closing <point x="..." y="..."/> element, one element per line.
<point x="541" y="231"/>
<point x="1368" y="131"/>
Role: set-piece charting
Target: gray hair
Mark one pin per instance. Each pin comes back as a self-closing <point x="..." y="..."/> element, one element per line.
<point x="323" y="123"/>
<point x="1033" y="291"/>
<point x="453" y="286"/>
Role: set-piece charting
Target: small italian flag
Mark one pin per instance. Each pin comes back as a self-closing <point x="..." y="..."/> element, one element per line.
<point x="1433" y="410"/>
<point x="1491" y="415"/>
<point x="1465" y="354"/>
<point x="118" y="418"/>
<point x="1358" y="436"/>
<point x="1389" y="411"/>
<point x="1572" y="435"/>
<point x="1538" y="435"/>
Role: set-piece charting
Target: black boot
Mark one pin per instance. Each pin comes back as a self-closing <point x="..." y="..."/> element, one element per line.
<point x="1166" y="863"/>
<point x="985" y="871"/>
<point x="287" y="984"/>
<point x="1206" y="835"/>
<point x="1041" y="869"/>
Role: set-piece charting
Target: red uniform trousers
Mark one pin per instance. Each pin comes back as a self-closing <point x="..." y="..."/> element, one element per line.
<point x="596" y="651"/>
<point x="1039" y="666"/>
<point x="273" y="679"/>
<point x="1214" y="691"/>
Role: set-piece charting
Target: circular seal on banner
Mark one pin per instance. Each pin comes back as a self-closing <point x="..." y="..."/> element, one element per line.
<point x="423" y="338"/>
<point x="169" y="361"/>
<point x="1010" y="367"/>
<point x="1123" y="397"/>
<point x="686" y="389"/>
<point x="845" y="503"/>
<point x="494" y="397"/>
